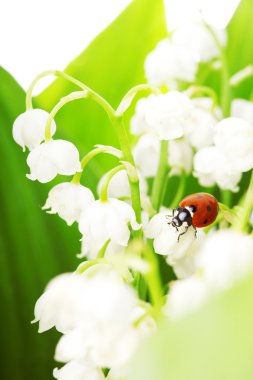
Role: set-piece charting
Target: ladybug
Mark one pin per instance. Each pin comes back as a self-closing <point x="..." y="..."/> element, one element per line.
<point x="196" y="210"/>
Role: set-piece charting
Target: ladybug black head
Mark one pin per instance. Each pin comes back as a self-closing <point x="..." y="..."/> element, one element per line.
<point x="183" y="216"/>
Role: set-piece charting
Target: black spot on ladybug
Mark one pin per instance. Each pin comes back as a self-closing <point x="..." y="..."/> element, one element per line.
<point x="209" y="208"/>
<point x="193" y="208"/>
<point x="200" y="196"/>
<point x="205" y="221"/>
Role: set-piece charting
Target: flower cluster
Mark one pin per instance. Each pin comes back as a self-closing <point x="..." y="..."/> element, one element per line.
<point x="116" y="296"/>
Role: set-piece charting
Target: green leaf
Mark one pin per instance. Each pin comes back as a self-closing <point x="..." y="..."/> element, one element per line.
<point x="111" y="65"/>
<point x="36" y="246"/>
<point x="213" y="343"/>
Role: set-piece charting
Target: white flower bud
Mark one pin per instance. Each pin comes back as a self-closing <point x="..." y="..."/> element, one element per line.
<point x="211" y="166"/>
<point x="68" y="200"/>
<point x="196" y="38"/>
<point x="162" y="115"/>
<point x="243" y="109"/>
<point x="78" y="370"/>
<point x="234" y="138"/>
<point x="51" y="158"/>
<point x="29" y="128"/>
<point x="104" y="221"/>
<point x="169" y="62"/>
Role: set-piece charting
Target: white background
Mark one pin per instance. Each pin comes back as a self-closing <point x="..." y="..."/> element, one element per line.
<point x="37" y="35"/>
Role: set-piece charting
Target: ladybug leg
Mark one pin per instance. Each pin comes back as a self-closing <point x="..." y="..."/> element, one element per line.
<point x="182" y="233"/>
<point x="195" y="231"/>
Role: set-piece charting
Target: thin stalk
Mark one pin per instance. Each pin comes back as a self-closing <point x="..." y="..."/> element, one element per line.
<point x="160" y="179"/>
<point x="180" y="191"/>
<point x="241" y="223"/>
<point x="107" y="179"/>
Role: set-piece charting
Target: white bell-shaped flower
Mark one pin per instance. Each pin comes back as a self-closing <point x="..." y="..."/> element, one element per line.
<point x="109" y="306"/>
<point x="196" y="38"/>
<point x="162" y="115"/>
<point x="211" y="166"/>
<point x="166" y="236"/>
<point x="243" y="109"/>
<point x="168" y="63"/>
<point x="108" y="220"/>
<point x="68" y="200"/>
<point x="29" y="128"/>
<point x="78" y="370"/>
<point x="146" y="155"/>
<point x="225" y="257"/>
<point x="62" y="304"/>
<point x="234" y="138"/>
<point x="51" y="158"/>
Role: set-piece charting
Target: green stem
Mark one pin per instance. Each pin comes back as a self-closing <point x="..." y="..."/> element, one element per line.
<point x="204" y="90"/>
<point x="66" y="99"/>
<point x="159" y="181"/>
<point x="180" y="191"/>
<point x="107" y="180"/>
<point x="94" y="152"/>
<point x="241" y="223"/>
<point x="153" y="278"/>
<point x="225" y="81"/>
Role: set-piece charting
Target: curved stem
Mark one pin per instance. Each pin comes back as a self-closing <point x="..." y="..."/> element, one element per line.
<point x="130" y="95"/>
<point x="201" y="90"/>
<point x="106" y="181"/>
<point x="159" y="182"/>
<point x="66" y="99"/>
<point x="94" y="152"/>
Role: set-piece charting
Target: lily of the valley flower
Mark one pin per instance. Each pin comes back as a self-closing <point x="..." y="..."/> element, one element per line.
<point x="211" y="166"/>
<point x="68" y="200"/>
<point x="180" y="254"/>
<point x="62" y="304"/>
<point x="29" y="128"/>
<point x="224" y="258"/>
<point x="196" y="38"/>
<point x="78" y="370"/>
<point x="234" y="138"/>
<point x="51" y="158"/>
<point x="169" y="62"/>
<point x="108" y="220"/>
<point x="162" y="115"/>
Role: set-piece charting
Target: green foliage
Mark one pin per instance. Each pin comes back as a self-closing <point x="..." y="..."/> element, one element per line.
<point x="35" y="246"/>
<point x="213" y="343"/>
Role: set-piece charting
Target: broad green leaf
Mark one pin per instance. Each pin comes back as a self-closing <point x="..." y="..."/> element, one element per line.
<point x="111" y="65"/>
<point x="213" y="343"/>
<point x="35" y="246"/>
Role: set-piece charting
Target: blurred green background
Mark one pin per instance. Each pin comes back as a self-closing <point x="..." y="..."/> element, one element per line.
<point x="35" y="246"/>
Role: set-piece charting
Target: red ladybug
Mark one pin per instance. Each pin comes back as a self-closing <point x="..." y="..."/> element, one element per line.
<point x="196" y="210"/>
